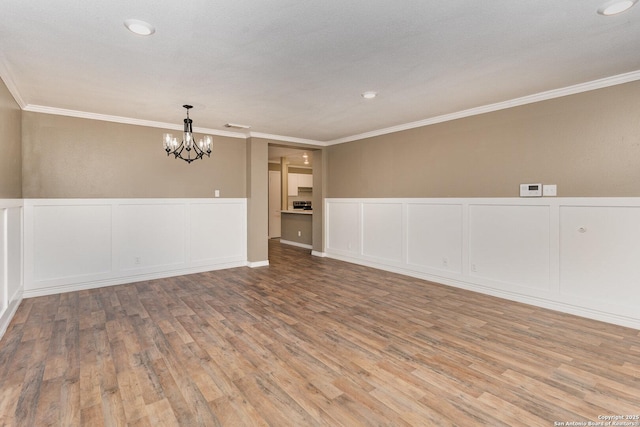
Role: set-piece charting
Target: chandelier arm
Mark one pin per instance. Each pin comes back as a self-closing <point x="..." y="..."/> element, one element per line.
<point x="188" y="142"/>
<point x="178" y="151"/>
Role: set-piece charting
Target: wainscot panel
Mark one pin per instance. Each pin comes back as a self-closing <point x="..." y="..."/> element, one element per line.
<point x="510" y="244"/>
<point x="434" y="236"/>
<point x="73" y="244"/>
<point x="382" y="236"/>
<point x="577" y="255"/>
<point x="11" y="282"/>
<point x="600" y="255"/>
<point x="150" y="235"/>
<point x="71" y="241"/>
<point x="342" y="232"/>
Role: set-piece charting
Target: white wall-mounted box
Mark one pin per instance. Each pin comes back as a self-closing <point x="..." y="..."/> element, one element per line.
<point x="530" y="190"/>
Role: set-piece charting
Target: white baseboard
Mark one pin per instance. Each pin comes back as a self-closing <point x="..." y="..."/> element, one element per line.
<point x="119" y="241"/>
<point x="300" y="245"/>
<point x="8" y="314"/>
<point x="256" y="264"/>
<point x="538" y="251"/>
<point x="563" y="307"/>
<point x="93" y="284"/>
<point x="319" y="254"/>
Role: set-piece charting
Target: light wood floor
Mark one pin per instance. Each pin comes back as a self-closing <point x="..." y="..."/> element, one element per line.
<point x="304" y="342"/>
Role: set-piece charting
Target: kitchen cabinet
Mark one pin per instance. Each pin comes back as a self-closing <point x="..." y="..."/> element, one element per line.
<point x="305" y="180"/>
<point x="293" y="184"/>
<point x="296" y="180"/>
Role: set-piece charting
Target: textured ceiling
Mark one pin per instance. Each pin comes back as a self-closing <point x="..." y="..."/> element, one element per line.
<point x="294" y="156"/>
<point x="297" y="68"/>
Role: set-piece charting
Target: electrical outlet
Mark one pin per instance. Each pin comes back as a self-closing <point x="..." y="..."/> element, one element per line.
<point x="136" y="260"/>
<point x="474" y="268"/>
<point x="445" y="262"/>
<point x="216" y="193"/>
<point x="299" y="233"/>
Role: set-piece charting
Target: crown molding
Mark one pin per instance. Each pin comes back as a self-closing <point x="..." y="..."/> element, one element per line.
<point x="529" y="99"/>
<point x="126" y="120"/>
<point x="288" y="139"/>
<point x="5" y="75"/>
<point x="162" y="125"/>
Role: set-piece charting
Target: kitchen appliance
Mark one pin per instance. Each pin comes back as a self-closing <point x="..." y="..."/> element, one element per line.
<point x="305" y="205"/>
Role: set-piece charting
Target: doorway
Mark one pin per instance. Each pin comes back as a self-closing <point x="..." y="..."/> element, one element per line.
<point x="290" y="187"/>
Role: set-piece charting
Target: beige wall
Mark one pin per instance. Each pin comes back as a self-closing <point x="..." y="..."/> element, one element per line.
<point x="319" y="185"/>
<point x="66" y="157"/>
<point x="294" y="223"/>
<point x="293" y="169"/>
<point x="275" y="167"/>
<point x="257" y="199"/>
<point x="588" y="144"/>
<point x="10" y="146"/>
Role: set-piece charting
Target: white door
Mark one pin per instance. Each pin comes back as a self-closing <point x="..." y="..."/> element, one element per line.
<point x="275" y="200"/>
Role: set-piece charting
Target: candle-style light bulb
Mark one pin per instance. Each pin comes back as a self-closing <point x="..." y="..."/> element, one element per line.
<point x="166" y="141"/>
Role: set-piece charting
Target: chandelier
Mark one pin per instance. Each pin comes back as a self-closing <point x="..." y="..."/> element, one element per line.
<point x="194" y="150"/>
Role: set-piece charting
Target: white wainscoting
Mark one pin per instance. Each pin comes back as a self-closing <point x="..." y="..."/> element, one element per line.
<point x="577" y="255"/>
<point x="73" y="244"/>
<point x="11" y="283"/>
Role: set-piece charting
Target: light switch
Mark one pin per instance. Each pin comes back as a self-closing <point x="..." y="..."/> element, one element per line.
<point x="549" y="190"/>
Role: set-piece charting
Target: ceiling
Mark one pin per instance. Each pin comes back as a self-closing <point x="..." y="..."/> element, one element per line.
<point x="294" y="156"/>
<point x="296" y="69"/>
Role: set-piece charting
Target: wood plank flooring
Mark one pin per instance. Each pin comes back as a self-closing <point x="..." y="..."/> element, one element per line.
<point x="308" y="342"/>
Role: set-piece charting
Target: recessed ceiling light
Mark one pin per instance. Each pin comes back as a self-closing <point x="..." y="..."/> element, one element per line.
<point x="139" y="27"/>
<point x="371" y="94"/>
<point x="613" y="7"/>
